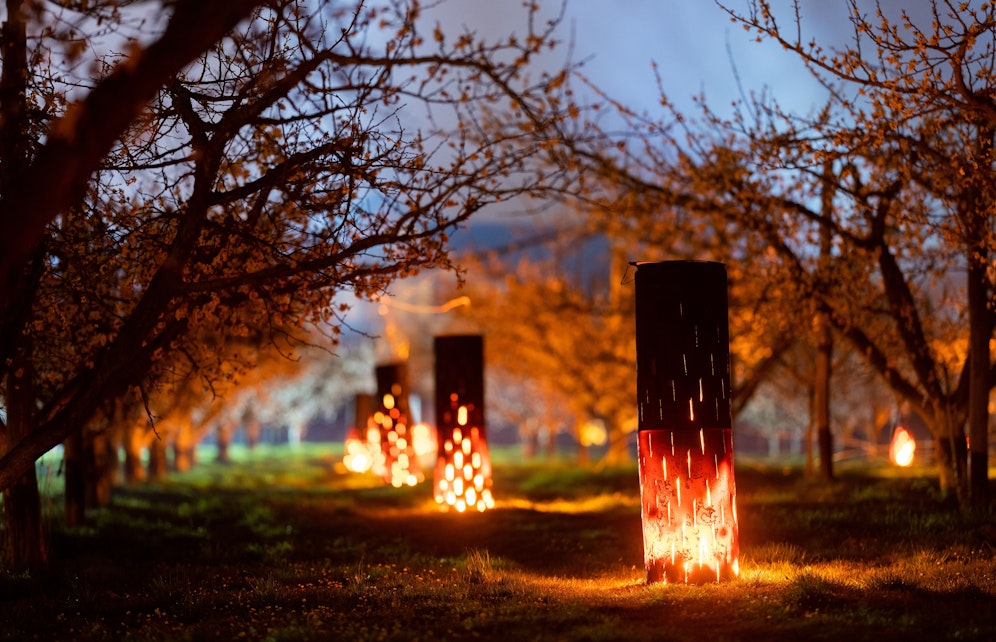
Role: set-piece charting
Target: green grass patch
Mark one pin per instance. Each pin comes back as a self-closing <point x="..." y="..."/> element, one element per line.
<point x="284" y="545"/>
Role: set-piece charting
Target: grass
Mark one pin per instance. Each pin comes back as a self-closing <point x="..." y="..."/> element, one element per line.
<point x="287" y="546"/>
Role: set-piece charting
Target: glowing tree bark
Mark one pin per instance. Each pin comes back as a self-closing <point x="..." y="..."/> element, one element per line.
<point x="396" y="460"/>
<point x="687" y="489"/>
<point x="462" y="477"/>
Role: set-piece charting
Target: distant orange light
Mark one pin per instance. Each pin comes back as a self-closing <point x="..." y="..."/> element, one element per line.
<point x="358" y="456"/>
<point x="393" y="445"/>
<point x="902" y="448"/>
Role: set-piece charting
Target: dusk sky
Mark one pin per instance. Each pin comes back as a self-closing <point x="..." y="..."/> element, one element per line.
<point x="693" y="43"/>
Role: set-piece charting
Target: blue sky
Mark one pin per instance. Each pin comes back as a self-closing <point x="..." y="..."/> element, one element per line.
<point x="693" y="43"/>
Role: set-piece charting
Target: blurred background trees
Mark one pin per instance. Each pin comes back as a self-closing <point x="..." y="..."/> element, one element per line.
<point x="258" y="181"/>
<point x="872" y="214"/>
<point x="188" y="223"/>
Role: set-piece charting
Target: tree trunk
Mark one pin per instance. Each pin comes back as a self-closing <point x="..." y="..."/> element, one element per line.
<point x="157" y="460"/>
<point x="979" y="335"/>
<point x="617" y="452"/>
<point x="100" y="470"/>
<point x="24" y="538"/>
<point x="133" y="443"/>
<point x="133" y="470"/>
<point x="224" y="437"/>
<point x="821" y="395"/>
<point x="530" y="441"/>
<point x="25" y="543"/>
<point x="810" y="438"/>
<point x="824" y="339"/>
<point x="253" y="430"/>
<point x="183" y="457"/>
<point x="74" y="476"/>
<point x="952" y="454"/>
<point x="584" y="454"/>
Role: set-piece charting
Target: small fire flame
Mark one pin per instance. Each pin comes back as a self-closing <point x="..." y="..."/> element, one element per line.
<point x="395" y="459"/>
<point x="463" y="468"/>
<point x="690" y="530"/>
<point x="424" y="440"/>
<point x="902" y="448"/>
<point x="359" y="453"/>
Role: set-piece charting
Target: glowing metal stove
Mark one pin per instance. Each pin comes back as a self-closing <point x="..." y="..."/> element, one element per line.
<point x="687" y="489"/>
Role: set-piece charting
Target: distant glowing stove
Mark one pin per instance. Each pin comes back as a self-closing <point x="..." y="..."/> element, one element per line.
<point x="395" y="459"/>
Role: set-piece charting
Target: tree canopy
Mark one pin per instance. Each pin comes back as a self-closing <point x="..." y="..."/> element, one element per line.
<point x="892" y="177"/>
<point x="171" y="207"/>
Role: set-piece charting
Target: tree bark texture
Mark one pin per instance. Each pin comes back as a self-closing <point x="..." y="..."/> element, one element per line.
<point x="821" y="395"/>
<point x="75" y="479"/>
<point x="25" y="543"/>
<point x="979" y="334"/>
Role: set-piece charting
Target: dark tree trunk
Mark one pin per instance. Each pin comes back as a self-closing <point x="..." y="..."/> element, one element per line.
<point x="952" y="455"/>
<point x="75" y="479"/>
<point x="253" y="429"/>
<point x="821" y="396"/>
<point x="25" y="543"/>
<point x="224" y="436"/>
<point x="979" y="335"/>
<point x="810" y="438"/>
<point x="223" y="456"/>
<point x="101" y="469"/>
<point x="89" y="474"/>
<point x="157" y="460"/>
<point x="824" y="342"/>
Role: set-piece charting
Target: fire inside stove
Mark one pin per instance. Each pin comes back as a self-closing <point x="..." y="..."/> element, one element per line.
<point x="687" y="490"/>
<point x="689" y="506"/>
<point x="902" y="448"/>
<point x="463" y="468"/>
<point x="462" y="475"/>
<point x="396" y="460"/>
<point x="362" y="443"/>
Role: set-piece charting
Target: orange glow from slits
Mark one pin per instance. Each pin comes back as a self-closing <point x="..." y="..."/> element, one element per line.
<point x="393" y="446"/>
<point x="690" y="530"/>
<point x="902" y="448"/>
<point x="463" y="472"/>
<point x="423" y="439"/>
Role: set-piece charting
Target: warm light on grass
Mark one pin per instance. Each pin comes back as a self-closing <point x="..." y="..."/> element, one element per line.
<point x="358" y="454"/>
<point x="291" y="547"/>
<point x="575" y="506"/>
